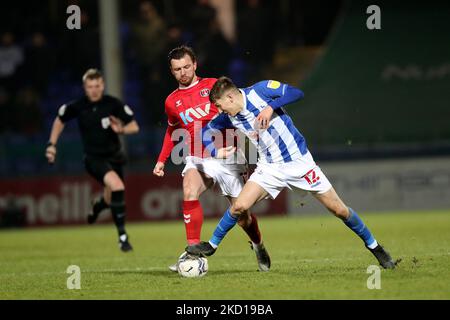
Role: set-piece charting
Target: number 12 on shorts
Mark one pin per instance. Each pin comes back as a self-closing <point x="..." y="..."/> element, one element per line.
<point x="311" y="177"/>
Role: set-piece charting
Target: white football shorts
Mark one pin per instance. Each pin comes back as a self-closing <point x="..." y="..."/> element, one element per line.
<point x="302" y="174"/>
<point x="230" y="177"/>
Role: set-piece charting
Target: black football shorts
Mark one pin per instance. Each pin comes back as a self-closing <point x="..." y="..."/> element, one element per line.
<point x="98" y="167"/>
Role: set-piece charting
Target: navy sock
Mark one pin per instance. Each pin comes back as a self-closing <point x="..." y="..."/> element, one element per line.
<point x="100" y="205"/>
<point x="227" y="222"/>
<point x="118" y="210"/>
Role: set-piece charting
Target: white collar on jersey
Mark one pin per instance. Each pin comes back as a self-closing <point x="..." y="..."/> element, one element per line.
<point x="244" y="99"/>
<point x="190" y="86"/>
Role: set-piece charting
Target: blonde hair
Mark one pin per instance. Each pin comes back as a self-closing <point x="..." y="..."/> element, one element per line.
<point x="92" y="74"/>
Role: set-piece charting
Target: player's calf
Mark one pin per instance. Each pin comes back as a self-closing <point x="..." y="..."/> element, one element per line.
<point x="193" y="220"/>
<point x="97" y="207"/>
<point x="118" y="213"/>
<point x="245" y="220"/>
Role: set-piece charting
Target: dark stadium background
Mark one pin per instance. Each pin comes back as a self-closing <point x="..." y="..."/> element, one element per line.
<point x="370" y="95"/>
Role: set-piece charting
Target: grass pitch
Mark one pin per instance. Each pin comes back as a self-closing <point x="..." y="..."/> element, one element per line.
<point x="314" y="257"/>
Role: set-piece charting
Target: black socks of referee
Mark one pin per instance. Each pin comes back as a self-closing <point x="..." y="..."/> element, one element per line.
<point x="117" y="207"/>
<point x="99" y="206"/>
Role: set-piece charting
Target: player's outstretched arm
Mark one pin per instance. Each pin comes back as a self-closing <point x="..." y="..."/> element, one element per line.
<point x="57" y="129"/>
<point x="281" y="94"/>
<point x="131" y="128"/>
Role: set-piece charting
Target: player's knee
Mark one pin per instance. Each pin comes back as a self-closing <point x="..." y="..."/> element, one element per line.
<point x="119" y="186"/>
<point x="239" y="207"/>
<point x="115" y="185"/>
<point x="190" y="193"/>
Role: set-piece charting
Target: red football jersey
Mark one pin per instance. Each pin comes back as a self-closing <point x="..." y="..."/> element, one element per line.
<point x="189" y="108"/>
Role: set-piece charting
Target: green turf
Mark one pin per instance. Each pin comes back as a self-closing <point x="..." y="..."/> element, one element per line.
<point x="312" y="257"/>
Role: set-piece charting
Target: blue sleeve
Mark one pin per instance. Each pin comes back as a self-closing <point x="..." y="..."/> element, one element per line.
<point x="221" y="122"/>
<point x="278" y="94"/>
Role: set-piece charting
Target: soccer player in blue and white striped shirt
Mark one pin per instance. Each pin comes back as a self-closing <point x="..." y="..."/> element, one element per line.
<point x="284" y="159"/>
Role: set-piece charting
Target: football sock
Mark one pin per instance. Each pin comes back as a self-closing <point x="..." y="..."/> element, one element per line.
<point x="355" y="223"/>
<point x="253" y="230"/>
<point x="193" y="220"/>
<point x="100" y="205"/>
<point x="118" y="210"/>
<point x="227" y="222"/>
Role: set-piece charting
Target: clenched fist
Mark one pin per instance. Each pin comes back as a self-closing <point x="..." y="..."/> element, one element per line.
<point x="50" y="154"/>
<point x="159" y="169"/>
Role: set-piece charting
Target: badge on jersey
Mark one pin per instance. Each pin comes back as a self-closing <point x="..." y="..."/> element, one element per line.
<point x="204" y="93"/>
<point x="128" y="110"/>
<point x="106" y="123"/>
<point x="273" y="84"/>
<point x="62" y="110"/>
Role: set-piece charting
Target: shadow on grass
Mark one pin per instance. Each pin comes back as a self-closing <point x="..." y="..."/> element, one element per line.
<point x="170" y="273"/>
<point x="136" y="272"/>
<point x="227" y="272"/>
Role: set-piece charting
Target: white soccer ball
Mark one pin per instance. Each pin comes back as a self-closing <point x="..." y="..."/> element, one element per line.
<point x="191" y="267"/>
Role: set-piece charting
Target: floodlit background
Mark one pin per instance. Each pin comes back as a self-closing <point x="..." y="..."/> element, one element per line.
<point x="376" y="117"/>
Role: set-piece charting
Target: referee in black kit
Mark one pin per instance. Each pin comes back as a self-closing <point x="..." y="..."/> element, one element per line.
<point x="101" y="118"/>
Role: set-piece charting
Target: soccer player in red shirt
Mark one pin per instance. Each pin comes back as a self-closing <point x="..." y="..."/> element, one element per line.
<point x="189" y="108"/>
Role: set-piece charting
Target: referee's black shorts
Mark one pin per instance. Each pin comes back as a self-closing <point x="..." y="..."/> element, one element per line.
<point x="98" y="166"/>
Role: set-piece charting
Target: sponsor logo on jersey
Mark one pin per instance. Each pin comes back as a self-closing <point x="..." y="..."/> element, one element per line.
<point x="196" y="113"/>
<point x="273" y="84"/>
<point x="178" y="103"/>
<point x="204" y="93"/>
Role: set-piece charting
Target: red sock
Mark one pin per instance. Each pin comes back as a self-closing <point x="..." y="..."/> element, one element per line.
<point x="193" y="220"/>
<point x="253" y="230"/>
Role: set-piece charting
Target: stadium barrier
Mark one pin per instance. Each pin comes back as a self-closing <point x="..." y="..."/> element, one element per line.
<point x="67" y="200"/>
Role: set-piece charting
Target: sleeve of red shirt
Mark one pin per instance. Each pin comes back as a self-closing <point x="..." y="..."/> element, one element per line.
<point x="168" y="144"/>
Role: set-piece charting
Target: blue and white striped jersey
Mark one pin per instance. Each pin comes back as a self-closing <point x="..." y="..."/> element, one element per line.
<point x="281" y="142"/>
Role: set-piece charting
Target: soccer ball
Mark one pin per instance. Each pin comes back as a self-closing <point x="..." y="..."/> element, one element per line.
<point x="191" y="267"/>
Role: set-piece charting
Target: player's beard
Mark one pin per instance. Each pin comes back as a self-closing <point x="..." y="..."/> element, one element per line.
<point x="186" y="81"/>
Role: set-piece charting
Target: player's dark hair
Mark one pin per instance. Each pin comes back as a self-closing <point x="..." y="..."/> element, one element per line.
<point x="92" y="74"/>
<point x="222" y="85"/>
<point x="179" y="52"/>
